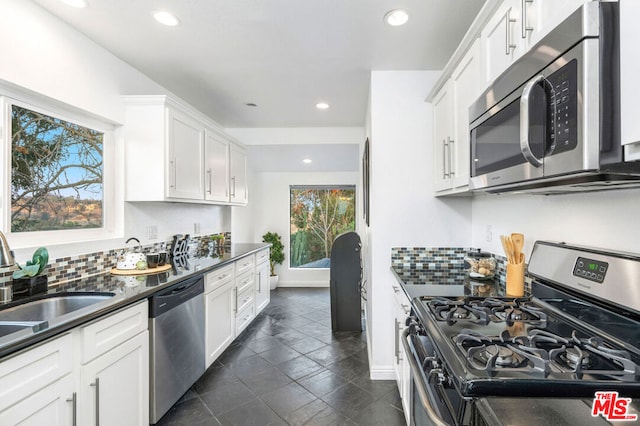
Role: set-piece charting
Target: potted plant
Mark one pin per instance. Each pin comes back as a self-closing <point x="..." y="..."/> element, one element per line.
<point x="28" y="277"/>
<point x="276" y="255"/>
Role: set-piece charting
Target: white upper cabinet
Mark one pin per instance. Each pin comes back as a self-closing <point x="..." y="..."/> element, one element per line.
<point x="516" y="26"/>
<point x="216" y="158"/>
<point x="501" y="38"/>
<point x="442" y="136"/>
<point x="185" y="143"/>
<point x="174" y="153"/>
<point x="238" y="167"/>
<point x="451" y="124"/>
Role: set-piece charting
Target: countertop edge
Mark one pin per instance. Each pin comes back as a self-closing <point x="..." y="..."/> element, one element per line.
<point x="117" y="304"/>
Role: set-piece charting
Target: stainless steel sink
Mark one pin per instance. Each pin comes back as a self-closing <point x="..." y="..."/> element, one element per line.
<point x="48" y="308"/>
<point x="11" y="327"/>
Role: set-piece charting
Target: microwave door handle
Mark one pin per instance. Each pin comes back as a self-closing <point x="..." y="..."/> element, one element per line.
<point x="525" y="101"/>
<point x="420" y="384"/>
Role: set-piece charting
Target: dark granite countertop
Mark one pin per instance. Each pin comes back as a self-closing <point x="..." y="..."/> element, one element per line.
<point x="127" y="290"/>
<point x="418" y="282"/>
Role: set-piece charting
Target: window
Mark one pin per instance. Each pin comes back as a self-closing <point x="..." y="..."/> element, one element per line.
<point x="318" y="215"/>
<point x="56" y="173"/>
<point x="58" y="163"/>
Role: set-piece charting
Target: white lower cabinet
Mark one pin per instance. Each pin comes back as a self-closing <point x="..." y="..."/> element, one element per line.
<point x="65" y="381"/>
<point x="263" y="293"/>
<point x="220" y="326"/>
<point x="51" y="405"/>
<point x="402" y="308"/>
<point x="115" y="386"/>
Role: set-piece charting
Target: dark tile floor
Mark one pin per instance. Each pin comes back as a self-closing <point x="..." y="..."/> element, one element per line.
<point x="288" y="368"/>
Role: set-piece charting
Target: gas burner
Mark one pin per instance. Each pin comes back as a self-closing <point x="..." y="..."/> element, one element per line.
<point x="452" y="311"/>
<point x="521" y="310"/>
<point x="460" y="313"/>
<point x="504" y="356"/>
<point x="493" y="354"/>
<point x="575" y="358"/>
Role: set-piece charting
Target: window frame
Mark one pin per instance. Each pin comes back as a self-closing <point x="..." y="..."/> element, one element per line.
<point x="112" y="224"/>
<point x="350" y="186"/>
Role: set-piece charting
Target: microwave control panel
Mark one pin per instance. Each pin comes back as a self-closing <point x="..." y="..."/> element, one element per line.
<point x="562" y="125"/>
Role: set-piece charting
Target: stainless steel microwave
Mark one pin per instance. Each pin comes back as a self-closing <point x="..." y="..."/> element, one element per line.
<point x="551" y="122"/>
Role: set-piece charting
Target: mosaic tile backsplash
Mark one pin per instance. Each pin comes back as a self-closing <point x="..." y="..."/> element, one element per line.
<point x="71" y="268"/>
<point x="446" y="264"/>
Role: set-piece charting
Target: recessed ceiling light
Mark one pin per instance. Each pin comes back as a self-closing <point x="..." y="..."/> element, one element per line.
<point x="396" y="17"/>
<point x="322" y="105"/>
<point x="166" y="18"/>
<point x="80" y="4"/>
<point x="307" y="160"/>
<point x="251" y="104"/>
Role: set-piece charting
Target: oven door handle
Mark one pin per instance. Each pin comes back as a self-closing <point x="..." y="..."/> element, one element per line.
<point x="525" y="101"/>
<point x="421" y="386"/>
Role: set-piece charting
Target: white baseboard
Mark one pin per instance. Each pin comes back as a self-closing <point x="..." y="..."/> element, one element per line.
<point x="303" y="284"/>
<point x="382" y="372"/>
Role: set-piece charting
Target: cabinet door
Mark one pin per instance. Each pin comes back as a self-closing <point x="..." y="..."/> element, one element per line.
<point x="541" y="16"/>
<point x="216" y="157"/>
<point x="263" y="293"/>
<point x="502" y="40"/>
<point x="185" y="174"/>
<point x="115" y="386"/>
<point x="220" y="321"/>
<point x="238" y="164"/>
<point x="442" y="134"/>
<point x="466" y="89"/>
<point x="52" y="405"/>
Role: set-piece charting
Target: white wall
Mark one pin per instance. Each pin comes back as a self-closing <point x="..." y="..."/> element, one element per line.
<point x="45" y="55"/>
<point x="606" y="220"/>
<point x="403" y="209"/>
<point x="270" y="198"/>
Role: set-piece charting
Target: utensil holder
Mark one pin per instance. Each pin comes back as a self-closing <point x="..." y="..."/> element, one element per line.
<point x="515" y="279"/>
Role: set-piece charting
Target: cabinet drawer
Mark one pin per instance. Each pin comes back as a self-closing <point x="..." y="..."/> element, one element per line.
<point x="245" y="298"/>
<point x="29" y="371"/>
<point x="217" y="278"/>
<point x="244" y="318"/>
<point x="245" y="264"/>
<point x="245" y="281"/>
<point x="107" y="333"/>
<point x="262" y="256"/>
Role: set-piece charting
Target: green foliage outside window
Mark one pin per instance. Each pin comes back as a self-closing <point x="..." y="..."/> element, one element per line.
<point x="318" y="216"/>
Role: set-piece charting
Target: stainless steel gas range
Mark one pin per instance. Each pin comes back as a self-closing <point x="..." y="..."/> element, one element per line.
<point x="568" y="354"/>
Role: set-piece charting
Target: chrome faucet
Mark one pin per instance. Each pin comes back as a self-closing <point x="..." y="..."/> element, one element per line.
<point x="6" y="255"/>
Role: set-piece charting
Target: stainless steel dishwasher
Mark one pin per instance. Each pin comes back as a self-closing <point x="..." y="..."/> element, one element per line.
<point x="176" y="324"/>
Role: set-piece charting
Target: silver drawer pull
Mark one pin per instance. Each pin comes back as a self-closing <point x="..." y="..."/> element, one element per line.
<point x="73" y="400"/>
<point x="97" y="386"/>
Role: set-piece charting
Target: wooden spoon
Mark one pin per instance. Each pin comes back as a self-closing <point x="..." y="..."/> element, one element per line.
<point x="507" y="246"/>
<point x="518" y="244"/>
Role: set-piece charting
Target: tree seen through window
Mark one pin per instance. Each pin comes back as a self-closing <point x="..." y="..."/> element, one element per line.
<point x="318" y="216"/>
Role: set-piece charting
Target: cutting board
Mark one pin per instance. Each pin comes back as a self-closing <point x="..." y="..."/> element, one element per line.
<point x="162" y="268"/>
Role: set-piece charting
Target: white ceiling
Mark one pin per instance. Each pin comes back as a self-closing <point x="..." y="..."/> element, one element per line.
<point x="283" y="55"/>
<point x="288" y="158"/>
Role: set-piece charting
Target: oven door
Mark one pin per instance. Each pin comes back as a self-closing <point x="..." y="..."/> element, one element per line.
<point x="427" y="407"/>
<point x="543" y="128"/>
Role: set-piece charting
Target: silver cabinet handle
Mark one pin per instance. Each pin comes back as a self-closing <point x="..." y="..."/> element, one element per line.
<point x="449" y="148"/>
<point x="235" y="298"/>
<point x="396" y="330"/>
<point x="172" y="173"/>
<point x="444" y="159"/>
<point x="405" y="308"/>
<point x="525" y="28"/>
<point x="96" y="384"/>
<point x="74" y="401"/>
<point x="259" y="281"/>
<point x="209" y="174"/>
<point x="508" y="44"/>
<point x="233" y="186"/>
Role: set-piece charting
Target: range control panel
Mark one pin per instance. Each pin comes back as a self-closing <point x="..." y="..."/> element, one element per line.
<point x="592" y="270"/>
